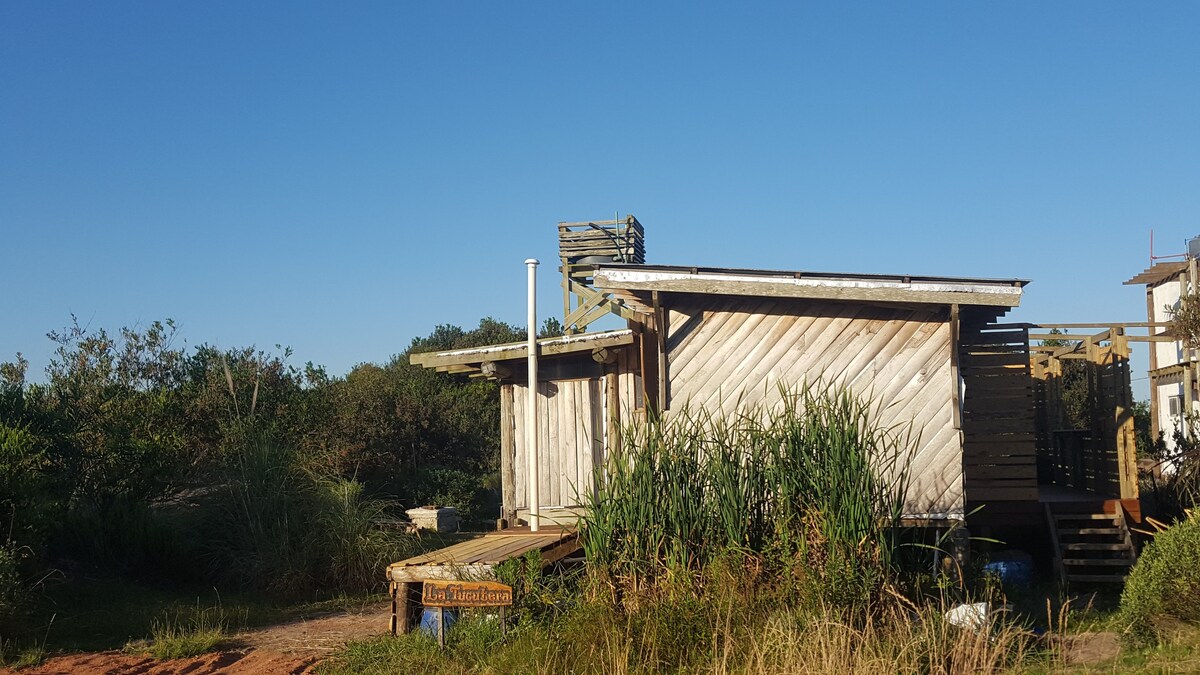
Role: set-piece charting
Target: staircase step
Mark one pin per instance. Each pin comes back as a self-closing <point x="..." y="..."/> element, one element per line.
<point x="1097" y="578"/>
<point x="1083" y="516"/>
<point x="1093" y="530"/>
<point x="1084" y="546"/>
<point x="1098" y="562"/>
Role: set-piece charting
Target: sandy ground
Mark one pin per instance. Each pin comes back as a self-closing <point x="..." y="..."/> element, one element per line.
<point x="1090" y="648"/>
<point x="287" y="649"/>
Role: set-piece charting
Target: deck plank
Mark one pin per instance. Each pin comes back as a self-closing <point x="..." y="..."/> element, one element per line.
<point x="490" y="549"/>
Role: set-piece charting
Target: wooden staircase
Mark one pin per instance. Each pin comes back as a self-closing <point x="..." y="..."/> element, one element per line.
<point x="1093" y="543"/>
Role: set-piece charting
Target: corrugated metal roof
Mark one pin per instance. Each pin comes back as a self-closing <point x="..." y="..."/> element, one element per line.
<point x="814" y="285"/>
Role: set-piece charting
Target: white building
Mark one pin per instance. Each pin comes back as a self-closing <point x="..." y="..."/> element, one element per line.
<point x="1173" y="367"/>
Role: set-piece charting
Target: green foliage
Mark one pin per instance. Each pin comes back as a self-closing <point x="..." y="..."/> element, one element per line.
<point x="551" y="327"/>
<point x="14" y="592"/>
<point x="1185" y="319"/>
<point x="136" y="456"/>
<point x="1175" y="487"/>
<point x="538" y="597"/>
<point x="441" y="486"/>
<point x="813" y="489"/>
<point x="1164" y="585"/>
<point x="285" y="528"/>
<point x="1074" y="390"/>
<point x="347" y="532"/>
<point x="724" y="632"/>
<point x="1143" y="427"/>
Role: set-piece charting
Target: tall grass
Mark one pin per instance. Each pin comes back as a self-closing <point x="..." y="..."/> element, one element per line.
<point x="812" y="489"/>
<point x="203" y="630"/>
<point x="283" y="527"/>
<point x="698" y="636"/>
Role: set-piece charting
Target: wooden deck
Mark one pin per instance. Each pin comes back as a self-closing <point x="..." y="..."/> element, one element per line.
<point x="477" y="557"/>
<point x="472" y="559"/>
<point x="1061" y="497"/>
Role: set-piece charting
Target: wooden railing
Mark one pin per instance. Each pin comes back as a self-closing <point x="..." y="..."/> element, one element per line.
<point x="1087" y="442"/>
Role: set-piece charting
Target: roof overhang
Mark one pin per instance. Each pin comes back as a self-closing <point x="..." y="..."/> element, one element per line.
<point x="1157" y="273"/>
<point x="470" y="360"/>
<point x="812" y="285"/>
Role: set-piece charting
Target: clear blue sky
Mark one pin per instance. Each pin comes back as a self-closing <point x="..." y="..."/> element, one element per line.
<point x="341" y="177"/>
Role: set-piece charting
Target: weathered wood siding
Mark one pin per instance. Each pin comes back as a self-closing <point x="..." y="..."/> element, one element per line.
<point x="571" y="434"/>
<point x="731" y="351"/>
<point x="578" y="419"/>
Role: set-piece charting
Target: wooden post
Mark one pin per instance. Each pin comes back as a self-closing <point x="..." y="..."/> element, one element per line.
<point x="1125" y="428"/>
<point x="612" y="403"/>
<point x="1092" y="451"/>
<point x="441" y="619"/>
<point x="508" y="452"/>
<point x="1187" y="401"/>
<point x="955" y="380"/>
<point x="392" y="592"/>
<point x="660" y="332"/>
<point x="1154" y="422"/>
<point x="402" y="607"/>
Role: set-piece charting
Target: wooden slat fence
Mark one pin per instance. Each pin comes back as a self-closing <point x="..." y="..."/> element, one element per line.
<point x="999" y="449"/>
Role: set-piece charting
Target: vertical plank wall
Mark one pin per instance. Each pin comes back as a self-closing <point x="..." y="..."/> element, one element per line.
<point x="571" y="431"/>
<point x="578" y="421"/>
<point x="729" y="351"/>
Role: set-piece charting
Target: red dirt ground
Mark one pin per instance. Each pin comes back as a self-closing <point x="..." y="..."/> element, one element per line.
<point x="286" y="649"/>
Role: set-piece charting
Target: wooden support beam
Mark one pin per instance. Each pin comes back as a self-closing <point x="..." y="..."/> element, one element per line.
<point x="1125" y="427"/>
<point x="495" y="370"/>
<point x="955" y="378"/>
<point x="604" y="355"/>
<point x="516" y="350"/>
<point x="1103" y="324"/>
<point x="660" y="331"/>
<point x="508" y="458"/>
<point x="1151" y="338"/>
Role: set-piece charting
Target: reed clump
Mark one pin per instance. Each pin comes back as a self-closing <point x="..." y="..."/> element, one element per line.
<point x="807" y="494"/>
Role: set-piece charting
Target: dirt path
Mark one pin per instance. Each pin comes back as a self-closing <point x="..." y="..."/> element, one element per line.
<point x="286" y="649"/>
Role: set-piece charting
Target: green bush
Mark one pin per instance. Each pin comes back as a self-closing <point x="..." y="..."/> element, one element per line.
<point x="446" y="486"/>
<point x="14" y="593"/>
<point x="1164" y="586"/>
<point x="285" y="528"/>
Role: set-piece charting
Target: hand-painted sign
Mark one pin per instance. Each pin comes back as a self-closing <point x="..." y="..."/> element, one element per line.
<point x="466" y="594"/>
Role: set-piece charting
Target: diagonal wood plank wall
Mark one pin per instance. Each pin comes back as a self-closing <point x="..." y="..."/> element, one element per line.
<point x="729" y="351"/>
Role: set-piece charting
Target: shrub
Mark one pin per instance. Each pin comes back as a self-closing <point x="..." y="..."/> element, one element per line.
<point x="283" y="528"/>
<point x="14" y="593"/>
<point x="446" y="486"/>
<point x="1164" y="585"/>
<point x="347" y="532"/>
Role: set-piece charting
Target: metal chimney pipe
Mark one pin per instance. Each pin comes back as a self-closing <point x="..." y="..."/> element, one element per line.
<point x="531" y="429"/>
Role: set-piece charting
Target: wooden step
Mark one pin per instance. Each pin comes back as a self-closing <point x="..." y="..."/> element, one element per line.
<point x="1099" y="562"/>
<point x="1084" y="516"/>
<point x="1093" y="530"/>
<point x="1087" y="546"/>
<point x="1097" y="578"/>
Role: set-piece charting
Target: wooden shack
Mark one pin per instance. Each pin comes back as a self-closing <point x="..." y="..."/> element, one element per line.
<point x="927" y="351"/>
<point x="922" y="348"/>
